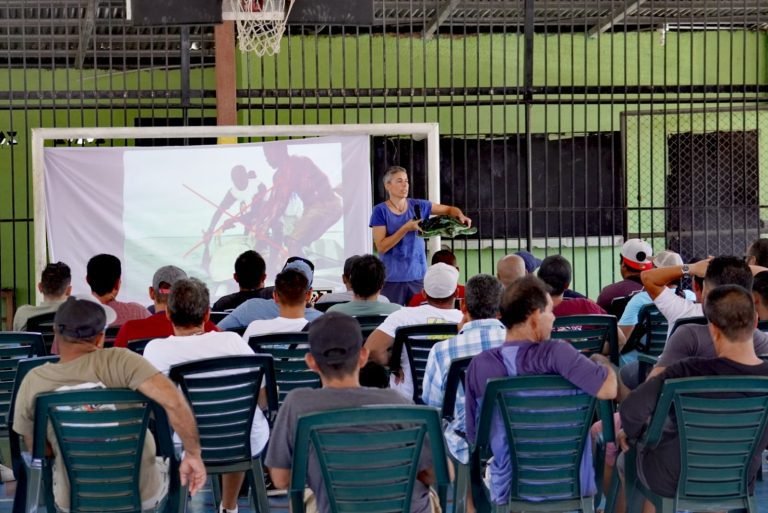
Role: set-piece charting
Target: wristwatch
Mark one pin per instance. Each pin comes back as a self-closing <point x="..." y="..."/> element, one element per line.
<point x="686" y="271"/>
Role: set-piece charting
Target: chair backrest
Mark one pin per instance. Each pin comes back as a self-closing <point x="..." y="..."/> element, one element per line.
<point x="43" y="324"/>
<point x="654" y="330"/>
<point x="618" y="305"/>
<point x="324" y="306"/>
<point x="589" y="333"/>
<point x="546" y="420"/>
<point x="417" y="340"/>
<point x="368" y="457"/>
<point x="240" y="330"/>
<point x="23" y="368"/>
<point x="216" y="317"/>
<point x="100" y="433"/>
<point x="368" y="323"/>
<point x="687" y="320"/>
<point x="720" y="421"/>
<point x="223" y="393"/>
<point x="14" y="347"/>
<point x="110" y="335"/>
<point x="288" y="350"/>
<point x="763" y="326"/>
<point x="138" y="345"/>
<point x="457" y="374"/>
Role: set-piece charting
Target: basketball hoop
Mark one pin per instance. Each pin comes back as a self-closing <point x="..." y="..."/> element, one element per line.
<point x="260" y="23"/>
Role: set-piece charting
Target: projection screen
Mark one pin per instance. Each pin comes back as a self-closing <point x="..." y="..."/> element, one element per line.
<point x="198" y="207"/>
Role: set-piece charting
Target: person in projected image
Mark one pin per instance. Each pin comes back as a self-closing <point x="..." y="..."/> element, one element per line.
<point x="297" y="177"/>
<point x="249" y="206"/>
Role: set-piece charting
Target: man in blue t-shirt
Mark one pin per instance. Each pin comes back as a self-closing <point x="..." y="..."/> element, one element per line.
<point x="526" y="311"/>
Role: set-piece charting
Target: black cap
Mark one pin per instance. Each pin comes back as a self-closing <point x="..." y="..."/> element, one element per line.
<point x="334" y="337"/>
<point x="82" y="318"/>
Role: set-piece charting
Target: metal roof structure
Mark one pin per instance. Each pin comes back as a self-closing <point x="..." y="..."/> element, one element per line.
<point x="95" y="33"/>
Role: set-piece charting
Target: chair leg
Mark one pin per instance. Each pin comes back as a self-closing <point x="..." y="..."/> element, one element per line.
<point x="216" y="488"/>
<point x="460" y="488"/>
<point x="259" y="497"/>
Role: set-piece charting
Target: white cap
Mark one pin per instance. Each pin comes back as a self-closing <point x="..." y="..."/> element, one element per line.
<point x="667" y="258"/>
<point x="441" y="280"/>
<point x="637" y="254"/>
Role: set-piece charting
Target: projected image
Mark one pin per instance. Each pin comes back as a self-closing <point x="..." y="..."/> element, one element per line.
<point x="213" y="203"/>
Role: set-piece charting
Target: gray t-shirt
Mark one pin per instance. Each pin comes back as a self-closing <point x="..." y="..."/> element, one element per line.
<point x="694" y="340"/>
<point x="304" y="400"/>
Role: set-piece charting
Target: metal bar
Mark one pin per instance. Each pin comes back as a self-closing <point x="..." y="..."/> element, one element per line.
<point x="442" y="14"/>
<point x="528" y="56"/>
<point x="615" y="18"/>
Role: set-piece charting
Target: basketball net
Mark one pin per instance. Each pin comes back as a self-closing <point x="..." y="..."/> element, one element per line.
<point x="260" y="24"/>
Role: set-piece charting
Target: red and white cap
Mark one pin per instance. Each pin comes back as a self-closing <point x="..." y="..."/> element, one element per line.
<point x="636" y="254"/>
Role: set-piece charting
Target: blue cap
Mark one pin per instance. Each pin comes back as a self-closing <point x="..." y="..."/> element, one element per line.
<point x="302" y="267"/>
<point x="531" y="262"/>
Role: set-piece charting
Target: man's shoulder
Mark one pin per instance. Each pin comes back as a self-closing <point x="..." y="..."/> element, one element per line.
<point x="310" y="400"/>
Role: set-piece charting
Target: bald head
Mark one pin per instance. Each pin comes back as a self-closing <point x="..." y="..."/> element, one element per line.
<point x="509" y="269"/>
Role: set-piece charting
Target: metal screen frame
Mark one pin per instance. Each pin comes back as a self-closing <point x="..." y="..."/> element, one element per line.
<point x="429" y="131"/>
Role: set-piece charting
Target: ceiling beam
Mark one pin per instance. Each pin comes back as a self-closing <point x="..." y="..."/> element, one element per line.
<point x="86" y="32"/>
<point x="617" y="17"/>
<point x="441" y="15"/>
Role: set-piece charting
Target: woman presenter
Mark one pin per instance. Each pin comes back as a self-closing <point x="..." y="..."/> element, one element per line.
<point x="395" y="224"/>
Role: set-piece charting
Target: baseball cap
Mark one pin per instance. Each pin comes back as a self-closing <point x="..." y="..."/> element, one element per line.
<point x="667" y="258"/>
<point x="301" y="265"/>
<point x="637" y="254"/>
<point x="441" y="280"/>
<point x="531" y="262"/>
<point x="82" y="317"/>
<point x="333" y="337"/>
<point x="167" y="274"/>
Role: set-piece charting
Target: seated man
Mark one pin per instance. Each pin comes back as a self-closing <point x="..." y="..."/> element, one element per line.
<point x="556" y="272"/>
<point x="481" y="330"/>
<point x="347" y="295"/>
<point x="263" y="309"/>
<point x="760" y="293"/>
<point x="103" y="276"/>
<point x="250" y="273"/>
<point x="526" y="311"/>
<point x="157" y="325"/>
<point x="336" y="354"/>
<point x="291" y="293"/>
<point x="440" y="285"/>
<point x="635" y="258"/>
<point x="188" y="311"/>
<point x="79" y="326"/>
<point x="366" y="279"/>
<point x="55" y="286"/>
<point x="511" y="267"/>
<point x="664" y="258"/>
<point x="447" y="257"/>
<point x="731" y="313"/>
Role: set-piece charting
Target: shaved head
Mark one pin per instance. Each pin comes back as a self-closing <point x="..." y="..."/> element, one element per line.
<point x="509" y="269"/>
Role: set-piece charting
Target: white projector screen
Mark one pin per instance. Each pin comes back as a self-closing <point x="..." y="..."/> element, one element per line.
<point x="200" y="207"/>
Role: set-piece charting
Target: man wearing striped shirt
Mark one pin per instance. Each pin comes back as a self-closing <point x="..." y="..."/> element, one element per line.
<point x="480" y="330"/>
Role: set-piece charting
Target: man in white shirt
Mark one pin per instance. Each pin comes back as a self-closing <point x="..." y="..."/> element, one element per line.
<point x="440" y="283"/>
<point x="188" y="311"/>
<point x="292" y="291"/>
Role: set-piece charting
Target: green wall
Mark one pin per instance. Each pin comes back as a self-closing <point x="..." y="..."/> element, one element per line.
<point x="390" y="62"/>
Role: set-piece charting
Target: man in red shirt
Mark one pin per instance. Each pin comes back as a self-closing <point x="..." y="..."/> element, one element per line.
<point x="157" y="325"/>
<point x="447" y="257"/>
<point x="555" y="271"/>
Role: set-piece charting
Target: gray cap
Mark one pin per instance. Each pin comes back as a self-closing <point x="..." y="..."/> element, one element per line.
<point x="82" y="317"/>
<point x="168" y="274"/>
<point x="334" y="337"/>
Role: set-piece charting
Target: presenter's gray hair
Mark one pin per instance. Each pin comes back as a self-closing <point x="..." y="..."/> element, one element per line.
<point x="392" y="171"/>
<point x="482" y="295"/>
<point x="188" y="302"/>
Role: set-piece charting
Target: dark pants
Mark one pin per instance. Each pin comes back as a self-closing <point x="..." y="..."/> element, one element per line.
<point x="401" y="292"/>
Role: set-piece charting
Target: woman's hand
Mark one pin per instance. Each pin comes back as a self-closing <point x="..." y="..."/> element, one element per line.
<point x="412" y="226"/>
<point x="464" y="220"/>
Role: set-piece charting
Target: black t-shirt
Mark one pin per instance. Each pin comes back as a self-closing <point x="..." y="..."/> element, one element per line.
<point x="661" y="465"/>
<point x="232" y="301"/>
